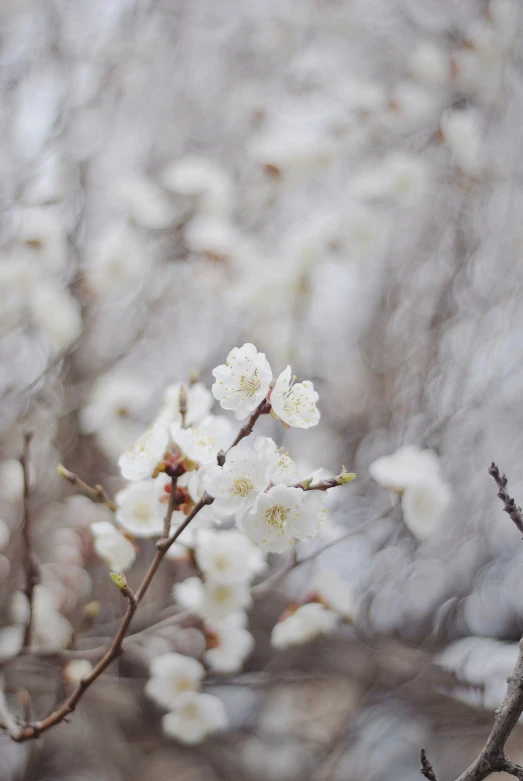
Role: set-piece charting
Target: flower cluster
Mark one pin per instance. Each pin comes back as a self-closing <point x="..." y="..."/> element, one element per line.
<point x="416" y="475"/>
<point x="189" y="461"/>
<point x="175" y="684"/>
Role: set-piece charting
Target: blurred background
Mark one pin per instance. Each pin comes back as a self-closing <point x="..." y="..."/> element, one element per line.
<point x="339" y="182"/>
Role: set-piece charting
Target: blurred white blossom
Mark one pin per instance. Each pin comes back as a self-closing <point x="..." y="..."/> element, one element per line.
<point x="112" y="546"/>
<point x="171" y="675"/>
<point x="196" y="717"/>
<point x="303" y="625"/>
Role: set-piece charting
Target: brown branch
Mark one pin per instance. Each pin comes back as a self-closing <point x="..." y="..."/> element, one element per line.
<point x="515" y="512"/>
<point x="29" y="561"/>
<point x="492" y="757"/>
<point x="97" y="494"/>
<point x="426" y="767"/>
<point x="262" y="409"/>
<point x="59" y="714"/>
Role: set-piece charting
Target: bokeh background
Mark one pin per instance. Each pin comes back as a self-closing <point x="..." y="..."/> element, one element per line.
<point x="339" y="182"/>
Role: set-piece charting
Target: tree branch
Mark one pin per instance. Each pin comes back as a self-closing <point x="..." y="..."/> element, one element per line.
<point x="262" y="409"/>
<point x="426" y="767"/>
<point x="515" y="512"/>
<point x="97" y="494"/>
<point x="492" y="758"/>
<point x="30" y="563"/>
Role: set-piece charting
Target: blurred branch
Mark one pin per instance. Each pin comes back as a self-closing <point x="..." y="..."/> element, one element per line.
<point x="30" y="563"/>
<point x="492" y="758"/>
<point x="426" y="767"/>
<point x="97" y="494"/>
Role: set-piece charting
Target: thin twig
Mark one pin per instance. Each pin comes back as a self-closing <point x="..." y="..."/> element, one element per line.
<point x="515" y="512"/>
<point x="60" y="713"/>
<point x="30" y="563"/>
<point x="262" y="409"/>
<point x="96" y="493"/>
<point x="426" y="767"/>
<point x="492" y="757"/>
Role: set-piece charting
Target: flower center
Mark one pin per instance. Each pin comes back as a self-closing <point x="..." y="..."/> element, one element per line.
<point x="183" y="685"/>
<point x="142" y="510"/>
<point x="242" y="486"/>
<point x="250" y="385"/>
<point x="221" y="593"/>
<point x="190" y="711"/>
<point x="221" y="562"/>
<point x="277" y="515"/>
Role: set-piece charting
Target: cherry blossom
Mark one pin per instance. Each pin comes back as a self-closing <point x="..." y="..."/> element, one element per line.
<point x="406" y="464"/>
<point x="228" y="556"/>
<point x="76" y="670"/>
<point x="236" y="484"/>
<point x="141" y="460"/>
<point x="171" y="675"/>
<point x="139" y="509"/>
<point x="202" y="443"/>
<point x="198" y="404"/>
<point x="334" y="592"/>
<point x="424" y="503"/>
<point x="229" y="643"/>
<point x="295" y="404"/>
<point x="303" y="625"/>
<point x="112" y="546"/>
<point x="282" y="468"/>
<point x="243" y="381"/>
<point x="211" y="599"/>
<point x="196" y="716"/>
<point x="281" y="515"/>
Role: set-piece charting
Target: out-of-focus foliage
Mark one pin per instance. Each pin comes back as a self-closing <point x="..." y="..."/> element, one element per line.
<point x="338" y="182"/>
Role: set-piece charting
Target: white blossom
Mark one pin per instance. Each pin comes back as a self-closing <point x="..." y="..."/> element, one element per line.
<point x="199" y="403"/>
<point x="171" y="675"/>
<point x="11" y="641"/>
<point x="11" y="480"/>
<point x="146" y="453"/>
<point x="430" y="63"/>
<point x="197" y="176"/>
<point x="282" y="468"/>
<point x="334" y="592"/>
<point x="462" y="134"/>
<point x="213" y="234"/>
<point x="57" y="313"/>
<point x="112" y="546"/>
<point x="42" y="233"/>
<point x="424" y="503"/>
<point x="116" y="262"/>
<point x="281" y="515"/>
<point x="202" y="443"/>
<point x="5" y="534"/>
<point x="303" y="625"/>
<point x="196" y="717"/>
<point x="229" y="643"/>
<point x="50" y="628"/>
<point x="228" y="556"/>
<point x="295" y="403"/>
<point x="406" y="464"/>
<point x="76" y="670"/>
<point x="145" y="202"/>
<point x="139" y="509"/>
<point x="210" y="599"/>
<point x="236" y="484"/>
<point x="115" y="401"/>
<point x="243" y="381"/>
